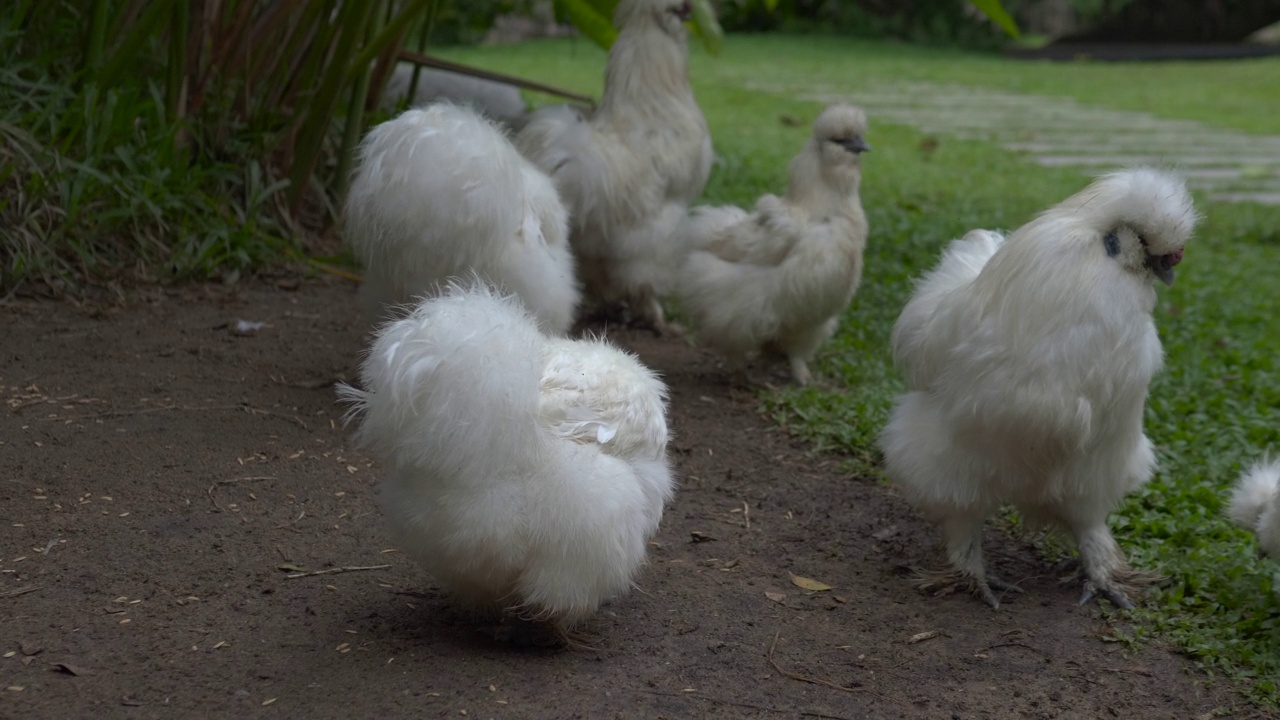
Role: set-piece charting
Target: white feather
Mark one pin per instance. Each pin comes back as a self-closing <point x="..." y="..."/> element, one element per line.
<point x="441" y="194"/>
<point x="1255" y="504"/>
<point x="1027" y="363"/>
<point x="527" y="473"/>
<point x="785" y="273"/>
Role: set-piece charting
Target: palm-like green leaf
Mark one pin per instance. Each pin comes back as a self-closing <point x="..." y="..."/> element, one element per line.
<point x="593" y="18"/>
<point x="994" y="10"/>
<point x="707" y="28"/>
<point x="589" y="19"/>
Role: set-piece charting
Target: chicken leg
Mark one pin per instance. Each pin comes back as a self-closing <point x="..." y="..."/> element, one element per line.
<point x="1103" y="569"/>
<point x="963" y="537"/>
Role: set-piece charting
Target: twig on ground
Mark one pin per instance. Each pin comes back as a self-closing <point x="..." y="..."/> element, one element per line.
<point x="233" y="481"/>
<point x="19" y="591"/>
<point x="813" y="681"/>
<point x="189" y="408"/>
<point x="334" y="270"/>
<point x="263" y="411"/>
<point x="313" y="385"/>
<point x="1136" y="671"/>
<point x="1017" y="644"/>
<point x="716" y="518"/>
<point x="335" y="571"/>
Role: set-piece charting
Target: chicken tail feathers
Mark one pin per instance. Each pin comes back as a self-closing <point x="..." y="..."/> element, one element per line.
<point x="453" y="385"/>
<point x="1254" y="492"/>
<point x="961" y="262"/>
<point x="442" y="168"/>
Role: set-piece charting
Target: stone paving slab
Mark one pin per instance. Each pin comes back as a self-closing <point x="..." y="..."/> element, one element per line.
<point x="1230" y="165"/>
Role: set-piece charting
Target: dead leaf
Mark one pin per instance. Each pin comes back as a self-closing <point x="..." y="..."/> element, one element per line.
<point x="776" y="596"/>
<point x="70" y="669"/>
<point x="701" y="537"/>
<point x="808" y="583"/>
<point x="885" y="533"/>
<point x="292" y="567"/>
<point x="921" y="637"/>
<point x="840" y="598"/>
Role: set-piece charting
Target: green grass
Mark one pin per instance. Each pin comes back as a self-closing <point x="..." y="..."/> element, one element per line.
<point x="116" y="197"/>
<point x="1215" y="408"/>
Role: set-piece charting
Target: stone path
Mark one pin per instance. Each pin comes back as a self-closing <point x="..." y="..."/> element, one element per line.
<point x="1232" y="166"/>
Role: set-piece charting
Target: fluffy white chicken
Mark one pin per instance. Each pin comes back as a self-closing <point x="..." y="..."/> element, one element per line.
<point x="782" y="275"/>
<point x="1255" y="505"/>
<point x="527" y="473"/>
<point x="629" y="172"/>
<point x="441" y="194"/>
<point x="1027" y="362"/>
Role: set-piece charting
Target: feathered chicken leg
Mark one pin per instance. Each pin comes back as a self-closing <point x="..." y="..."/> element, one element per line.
<point x="1103" y="568"/>
<point x="962" y="533"/>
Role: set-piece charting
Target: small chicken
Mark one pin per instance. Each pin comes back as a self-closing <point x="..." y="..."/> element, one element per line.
<point x="629" y="172"/>
<point x="1255" y="505"/>
<point x="782" y="275"/>
<point x="442" y="194"/>
<point x="1027" y="362"/>
<point x="527" y="473"/>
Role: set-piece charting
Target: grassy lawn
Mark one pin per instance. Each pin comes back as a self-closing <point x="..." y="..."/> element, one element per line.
<point x="1215" y="408"/>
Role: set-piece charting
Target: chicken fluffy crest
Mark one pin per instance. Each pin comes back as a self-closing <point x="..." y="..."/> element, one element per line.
<point x="441" y="194"/>
<point x="629" y="172"/>
<point x="527" y="473"/>
<point x="1255" y="505"/>
<point x="1027" y="361"/>
<point x="781" y="276"/>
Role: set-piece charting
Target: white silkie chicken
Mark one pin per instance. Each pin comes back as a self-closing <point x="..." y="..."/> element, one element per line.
<point x="629" y="172"/>
<point x="442" y="194"/>
<point x="527" y="472"/>
<point x="1255" y="505"/>
<point x="1027" y="361"/>
<point x="781" y="276"/>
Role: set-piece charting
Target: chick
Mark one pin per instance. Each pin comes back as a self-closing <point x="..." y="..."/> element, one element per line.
<point x="441" y="194"/>
<point x="1027" y="363"/>
<point x="526" y="472"/>
<point x="781" y="276"/>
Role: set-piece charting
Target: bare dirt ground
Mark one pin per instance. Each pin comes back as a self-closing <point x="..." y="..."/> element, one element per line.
<point x="165" y="481"/>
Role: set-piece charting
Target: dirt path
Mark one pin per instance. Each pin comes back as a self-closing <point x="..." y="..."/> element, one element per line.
<point x="163" y="478"/>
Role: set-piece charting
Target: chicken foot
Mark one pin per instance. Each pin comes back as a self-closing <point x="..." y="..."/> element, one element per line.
<point x="963" y="535"/>
<point x="1103" y="570"/>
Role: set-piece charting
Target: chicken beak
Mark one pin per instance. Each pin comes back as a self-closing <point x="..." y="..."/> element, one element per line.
<point x="856" y="145"/>
<point x="1162" y="265"/>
